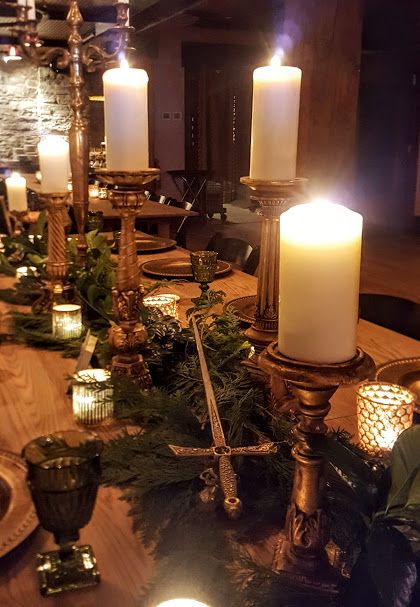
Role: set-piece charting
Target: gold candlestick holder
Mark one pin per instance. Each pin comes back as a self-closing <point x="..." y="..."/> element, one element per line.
<point x="57" y="262"/>
<point x="129" y="335"/>
<point x="301" y="550"/>
<point x="273" y="197"/>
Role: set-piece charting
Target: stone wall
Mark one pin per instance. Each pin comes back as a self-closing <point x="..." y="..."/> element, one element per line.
<point x="33" y="102"/>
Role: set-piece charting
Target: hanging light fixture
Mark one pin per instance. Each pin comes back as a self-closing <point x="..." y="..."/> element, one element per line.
<point x="12" y="55"/>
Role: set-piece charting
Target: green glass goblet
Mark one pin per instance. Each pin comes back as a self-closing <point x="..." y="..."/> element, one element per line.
<point x="63" y="477"/>
<point x="204" y="265"/>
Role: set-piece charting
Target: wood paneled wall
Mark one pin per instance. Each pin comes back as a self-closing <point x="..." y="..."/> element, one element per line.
<point x="326" y="36"/>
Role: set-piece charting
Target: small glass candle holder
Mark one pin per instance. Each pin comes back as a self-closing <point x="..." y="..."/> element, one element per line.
<point x="384" y="410"/>
<point x="25" y="271"/>
<point x="67" y="321"/>
<point x="92" y="396"/>
<point x="94" y="190"/>
<point x="167" y="303"/>
<point x="203" y="265"/>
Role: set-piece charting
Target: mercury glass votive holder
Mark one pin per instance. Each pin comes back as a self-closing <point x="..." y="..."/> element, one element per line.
<point x="92" y="396"/>
<point x="384" y="410"/>
<point x="167" y="303"/>
<point x="67" y="321"/>
<point x="25" y="271"/>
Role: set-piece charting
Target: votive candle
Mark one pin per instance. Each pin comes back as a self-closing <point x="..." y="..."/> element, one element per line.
<point x="92" y="396"/>
<point x="25" y="271"/>
<point x="126" y="118"/>
<point x="384" y="410"/>
<point x="167" y="303"/>
<point x="275" y="121"/>
<point x="320" y="249"/>
<point x="16" y="193"/>
<point x="67" y="321"/>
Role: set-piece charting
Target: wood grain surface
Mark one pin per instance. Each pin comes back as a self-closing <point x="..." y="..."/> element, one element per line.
<point x="33" y="401"/>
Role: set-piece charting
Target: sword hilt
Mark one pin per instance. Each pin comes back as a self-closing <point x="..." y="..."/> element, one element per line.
<point x="227" y="477"/>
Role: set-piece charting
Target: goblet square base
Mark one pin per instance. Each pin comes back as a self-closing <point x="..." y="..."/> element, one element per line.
<point x="77" y="571"/>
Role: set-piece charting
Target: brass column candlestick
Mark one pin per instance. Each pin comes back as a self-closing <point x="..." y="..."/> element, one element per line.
<point x="301" y="553"/>
<point x="129" y="335"/>
<point x="57" y="262"/>
<point x="273" y="197"/>
<point x="78" y="57"/>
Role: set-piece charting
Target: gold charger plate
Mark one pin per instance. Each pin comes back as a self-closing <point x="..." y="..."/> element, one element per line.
<point x="17" y="513"/>
<point x="244" y="308"/>
<point x="150" y="244"/>
<point x="178" y="268"/>
<point x="405" y="372"/>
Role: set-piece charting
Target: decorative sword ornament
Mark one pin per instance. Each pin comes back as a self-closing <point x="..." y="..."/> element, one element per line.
<point x="220" y="451"/>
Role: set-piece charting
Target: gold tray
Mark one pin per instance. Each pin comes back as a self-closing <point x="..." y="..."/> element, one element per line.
<point x="405" y="372"/>
<point x="244" y="308"/>
<point x="177" y="268"/>
<point x="150" y="244"/>
<point x="17" y="513"/>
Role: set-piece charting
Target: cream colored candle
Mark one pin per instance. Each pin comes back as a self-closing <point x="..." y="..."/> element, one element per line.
<point x="126" y="118"/>
<point x="54" y="164"/>
<point x="16" y="193"/>
<point x="182" y="603"/>
<point x="320" y="246"/>
<point x="275" y="121"/>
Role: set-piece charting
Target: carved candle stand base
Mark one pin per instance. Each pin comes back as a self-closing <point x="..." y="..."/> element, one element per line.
<point x="129" y="335"/>
<point x="57" y="262"/>
<point x="301" y="552"/>
<point x="274" y="197"/>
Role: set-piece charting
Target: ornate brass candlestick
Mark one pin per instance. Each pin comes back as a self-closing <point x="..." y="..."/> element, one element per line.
<point x="79" y="57"/>
<point x="301" y="553"/>
<point x="57" y="262"/>
<point x="223" y="473"/>
<point x="129" y="335"/>
<point x="274" y="197"/>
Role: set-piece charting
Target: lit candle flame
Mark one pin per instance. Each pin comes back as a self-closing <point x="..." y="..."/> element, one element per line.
<point x="124" y="64"/>
<point x="275" y="61"/>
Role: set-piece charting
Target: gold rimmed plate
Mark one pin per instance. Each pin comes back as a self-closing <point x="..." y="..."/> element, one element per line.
<point x="17" y="513"/>
<point x="151" y="244"/>
<point x="244" y="308"/>
<point x="405" y="372"/>
<point x="177" y="268"/>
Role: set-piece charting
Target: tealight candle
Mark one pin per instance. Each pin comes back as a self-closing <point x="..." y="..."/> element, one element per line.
<point x="275" y="121"/>
<point x="25" y="271"/>
<point x="127" y="140"/>
<point x="53" y="154"/>
<point x="182" y="603"/>
<point x="67" y="321"/>
<point x="167" y="303"/>
<point x="92" y="396"/>
<point x="384" y="410"/>
<point x="16" y="193"/>
<point x="320" y="249"/>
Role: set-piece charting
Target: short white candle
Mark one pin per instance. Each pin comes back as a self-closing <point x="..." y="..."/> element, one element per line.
<point x="320" y="248"/>
<point x="275" y="121"/>
<point x="182" y="603"/>
<point x="16" y="193"/>
<point x="31" y="15"/>
<point x="126" y="118"/>
<point x="54" y="163"/>
<point x="92" y="396"/>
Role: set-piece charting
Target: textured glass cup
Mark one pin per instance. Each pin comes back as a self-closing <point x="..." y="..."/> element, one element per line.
<point x="167" y="303"/>
<point x="63" y="477"/>
<point x="92" y="396"/>
<point x="67" y="321"/>
<point x="204" y="265"/>
<point x="384" y="410"/>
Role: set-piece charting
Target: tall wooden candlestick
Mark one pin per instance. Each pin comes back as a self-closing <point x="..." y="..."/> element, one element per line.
<point x="274" y="197"/>
<point x="129" y="335"/>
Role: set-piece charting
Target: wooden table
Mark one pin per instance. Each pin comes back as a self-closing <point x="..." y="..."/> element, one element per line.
<point x="33" y="402"/>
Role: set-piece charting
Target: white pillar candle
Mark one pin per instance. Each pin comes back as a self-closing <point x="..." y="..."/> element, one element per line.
<point x="182" y="603"/>
<point x="31" y="15"/>
<point x="320" y="248"/>
<point x="275" y="121"/>
<point x="16" y="193"/>
<point x="53" y="154"/>
<point x="126" y="118"/>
